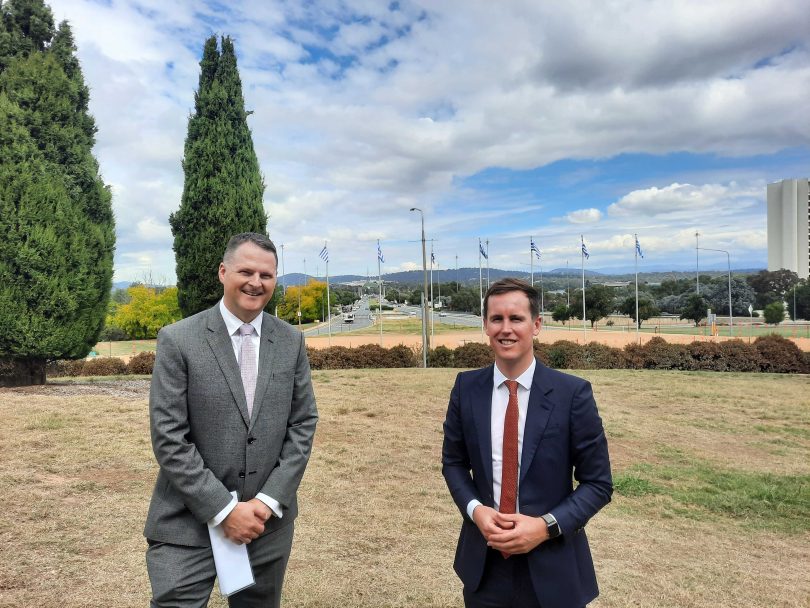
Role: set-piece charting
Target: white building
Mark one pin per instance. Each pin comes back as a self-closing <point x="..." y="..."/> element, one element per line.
<point x="789" y="226"/>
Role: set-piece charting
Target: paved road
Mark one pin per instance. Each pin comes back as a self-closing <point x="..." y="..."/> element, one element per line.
<point x="361" y="320"/>
<point x="454" y="319"/>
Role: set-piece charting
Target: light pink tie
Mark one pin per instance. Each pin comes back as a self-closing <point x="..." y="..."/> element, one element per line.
<point x="247" y="365"/>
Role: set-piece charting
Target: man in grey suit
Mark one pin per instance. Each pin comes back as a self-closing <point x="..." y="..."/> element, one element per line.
<point x="231" y="409"/>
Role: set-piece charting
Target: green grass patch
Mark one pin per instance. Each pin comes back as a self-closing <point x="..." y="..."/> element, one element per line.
<point x="777" y="502"/>
<point x="48" y="422"/>
<point x="634" y="486"/>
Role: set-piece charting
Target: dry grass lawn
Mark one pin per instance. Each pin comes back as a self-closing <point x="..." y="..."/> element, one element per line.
<point x="712" y="507"/>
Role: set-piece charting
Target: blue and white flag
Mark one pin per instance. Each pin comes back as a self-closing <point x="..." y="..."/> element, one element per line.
<point x="481" y="249"/>
<point x="585" y="249"/>
<point x="432" y="259"/>
<point x="379" y="253"/>
<point x="324" y="254"/>
<point x="638" y="248"/>
<point x="535" y="249"/>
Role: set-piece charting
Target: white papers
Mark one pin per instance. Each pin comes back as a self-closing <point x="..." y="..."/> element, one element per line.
<point x="231" y="560"/>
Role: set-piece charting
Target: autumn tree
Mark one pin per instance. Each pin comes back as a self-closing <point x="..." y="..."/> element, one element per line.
<point x="148" y="310"/>
<point x="310" y="299"/>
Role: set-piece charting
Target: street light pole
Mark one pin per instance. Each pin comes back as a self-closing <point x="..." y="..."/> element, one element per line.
<point x="425" y="344"/>
<point x="283" y="272"/>
<point x="697" y="263"/>
<point x="728" y="260"/>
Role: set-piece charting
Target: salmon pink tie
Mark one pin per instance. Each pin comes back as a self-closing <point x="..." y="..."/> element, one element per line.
<point x="509" y="470"/>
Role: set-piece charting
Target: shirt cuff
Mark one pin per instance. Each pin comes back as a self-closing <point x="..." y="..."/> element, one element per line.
<point x="274" y="505"/>
<point x="220" y="517"/>
<point x="471" y="506"/>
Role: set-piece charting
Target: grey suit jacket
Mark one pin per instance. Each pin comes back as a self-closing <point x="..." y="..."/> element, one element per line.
<point x="204" y="441"/>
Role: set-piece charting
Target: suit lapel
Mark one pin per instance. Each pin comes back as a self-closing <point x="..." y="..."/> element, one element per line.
<point x="482" y="415"/>
<point x="222" y="347"/>
<point x="266" y="362"/>
<point x="537" y="417"/>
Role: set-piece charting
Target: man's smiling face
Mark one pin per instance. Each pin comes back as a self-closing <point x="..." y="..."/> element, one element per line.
<point x="248" y="277"/>
<point x="511" y="330"/>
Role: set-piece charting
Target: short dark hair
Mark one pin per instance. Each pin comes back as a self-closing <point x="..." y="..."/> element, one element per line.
<point x="508" y="285"/>
<point x="260" y="240"/>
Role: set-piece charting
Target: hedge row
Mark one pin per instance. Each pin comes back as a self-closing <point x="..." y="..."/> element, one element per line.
<point x="142" y="364"/>
<point x="767" y="354"/>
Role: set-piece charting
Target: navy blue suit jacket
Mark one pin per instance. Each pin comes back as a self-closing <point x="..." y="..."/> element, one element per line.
<point x="563" y="440"/>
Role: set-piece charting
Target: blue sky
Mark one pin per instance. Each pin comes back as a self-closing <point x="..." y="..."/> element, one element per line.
<point x="499" y="120"/>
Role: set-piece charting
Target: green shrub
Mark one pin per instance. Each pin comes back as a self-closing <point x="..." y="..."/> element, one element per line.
<point x="441" y="356"/>
<point x="473" y="354"/>
<point x="594" y="355"/>
<point x="780" y="355"/>
<point x="563" y="354"/>
<point x="541" y="352"/>
<point x="740" y="357"/>
<point x="142" y="363"/>
<point x="707" y="356"/>
<point x="62" y="368"/>
<point x="104" y="366"/>
<point x="403" y="356"/>
<point x="657" y="353"/>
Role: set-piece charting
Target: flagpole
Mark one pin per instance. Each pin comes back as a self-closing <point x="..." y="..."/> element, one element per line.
<point x="480" y="291"/>
<point x="635" y="251"/>
<point x="432" y="333"/>
<point x="582" y="255"/>
<point x="439" y="282"/>
<point x="379" y="274"/>
<point x="328" y="301"/>
<point x="531" y="258"/>
<point x="542" y="296"/>
<point x="487" y="263"/>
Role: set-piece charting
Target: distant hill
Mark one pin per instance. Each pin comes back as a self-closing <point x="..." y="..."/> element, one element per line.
<point x="469" y="276"/>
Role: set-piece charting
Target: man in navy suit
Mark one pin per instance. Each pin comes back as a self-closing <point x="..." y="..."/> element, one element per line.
<point x="515" y="435"/>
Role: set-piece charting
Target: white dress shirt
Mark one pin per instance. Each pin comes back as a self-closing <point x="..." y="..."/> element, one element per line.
<point x="233" y="323"/>
<point x="500" y="400"/>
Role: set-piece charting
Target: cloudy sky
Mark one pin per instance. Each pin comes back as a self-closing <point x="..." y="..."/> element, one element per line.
<point x="501" y="120"/>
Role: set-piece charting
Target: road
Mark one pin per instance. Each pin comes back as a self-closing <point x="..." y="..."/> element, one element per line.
<point x="454" y="319"/>
<point x="362" y="319"/>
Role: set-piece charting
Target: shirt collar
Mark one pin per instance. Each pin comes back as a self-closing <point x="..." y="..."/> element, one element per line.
<point x="524" y="379"/>
<point x="233" y="323"/>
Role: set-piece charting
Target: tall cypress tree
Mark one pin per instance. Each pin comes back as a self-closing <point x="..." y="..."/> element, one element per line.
<point x="222" y="193"/>
<point x="56" y="255"/>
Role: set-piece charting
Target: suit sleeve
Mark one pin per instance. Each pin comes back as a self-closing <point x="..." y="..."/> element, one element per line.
<point x="589" y="456"/>
<point x="284" y="479"/>
<point x="202" y="492"/>
<point x="456" y="464"/>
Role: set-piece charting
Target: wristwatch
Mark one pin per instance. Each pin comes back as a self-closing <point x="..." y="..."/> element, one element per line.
<point x="553" y="527"/>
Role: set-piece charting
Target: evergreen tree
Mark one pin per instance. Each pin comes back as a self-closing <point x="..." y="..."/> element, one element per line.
<point x="694" y="309"/>
<point x="56" y="255"/>
<point x="222" y="193"/>
<point x="599" y="303"/>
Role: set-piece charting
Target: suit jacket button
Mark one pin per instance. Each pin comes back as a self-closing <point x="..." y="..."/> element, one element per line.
<point x="241" y="474"/>
<point x="251" y="440"/>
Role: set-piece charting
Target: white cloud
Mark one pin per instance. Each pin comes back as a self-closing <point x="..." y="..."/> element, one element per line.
<point x="150" y="229"/>
<point x="584" y="216"/>
<point x="362" y="111"/>
<point x="685" y="198"/>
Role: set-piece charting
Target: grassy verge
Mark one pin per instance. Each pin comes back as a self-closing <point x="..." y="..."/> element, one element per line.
<point x="407" y="327"/>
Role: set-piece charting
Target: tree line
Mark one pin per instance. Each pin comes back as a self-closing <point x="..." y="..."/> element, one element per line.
<point x="766" y="290"/>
